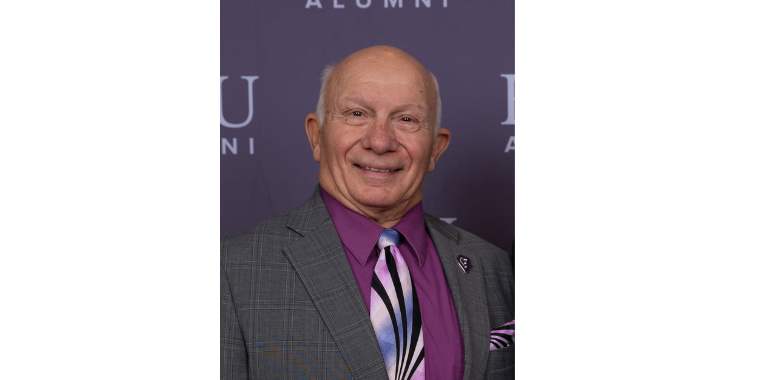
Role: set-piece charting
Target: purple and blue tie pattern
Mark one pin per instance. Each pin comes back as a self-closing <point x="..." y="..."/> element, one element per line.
<point x="503" y="336"/>
<point x="395" y="312"/>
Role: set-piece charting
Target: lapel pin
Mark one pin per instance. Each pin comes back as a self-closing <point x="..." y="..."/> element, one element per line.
<point x="464" y="263"/>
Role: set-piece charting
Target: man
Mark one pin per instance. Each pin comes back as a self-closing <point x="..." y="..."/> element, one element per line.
<point x="358" y="282"/>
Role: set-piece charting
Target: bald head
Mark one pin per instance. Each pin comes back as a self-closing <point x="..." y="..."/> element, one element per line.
<point x="383" y="60"/>
<point x="376" y="137"/>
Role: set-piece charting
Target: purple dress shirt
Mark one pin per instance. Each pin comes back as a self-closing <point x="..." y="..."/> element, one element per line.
<point x="444" y="348"/>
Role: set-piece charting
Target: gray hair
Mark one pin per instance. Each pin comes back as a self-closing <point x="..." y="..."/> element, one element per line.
<point x="321" y="102"/>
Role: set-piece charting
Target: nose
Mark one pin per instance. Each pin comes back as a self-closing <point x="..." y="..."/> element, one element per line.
<point x="380" y="137"/>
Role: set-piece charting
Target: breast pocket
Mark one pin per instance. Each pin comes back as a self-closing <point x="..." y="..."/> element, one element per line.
<point x="501" y="363"/>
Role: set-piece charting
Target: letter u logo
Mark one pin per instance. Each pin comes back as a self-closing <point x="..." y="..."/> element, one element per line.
<point x="224" y="122"/>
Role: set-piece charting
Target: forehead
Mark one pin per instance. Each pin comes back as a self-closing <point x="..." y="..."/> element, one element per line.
<point x="371" y="78"/>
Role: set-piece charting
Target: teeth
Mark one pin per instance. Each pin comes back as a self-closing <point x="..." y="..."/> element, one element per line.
<point x="377" y="170"/>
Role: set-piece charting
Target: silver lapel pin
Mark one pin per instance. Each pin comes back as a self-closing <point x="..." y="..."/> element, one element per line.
<point x="464" y="263"/>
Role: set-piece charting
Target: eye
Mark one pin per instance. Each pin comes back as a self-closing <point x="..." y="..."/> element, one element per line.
<point x="357" y="113"/>
<point x="406" y="119"/>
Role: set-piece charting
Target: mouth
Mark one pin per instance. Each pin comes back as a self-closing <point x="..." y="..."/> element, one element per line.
<point x="377" y="170"/>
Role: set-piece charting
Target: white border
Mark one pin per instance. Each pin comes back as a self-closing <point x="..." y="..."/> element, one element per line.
<point x="637" y="190"/>
<point x="110" y="208"/>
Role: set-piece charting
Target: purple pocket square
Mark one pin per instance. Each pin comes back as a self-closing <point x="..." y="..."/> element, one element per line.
<point x="503" y="336"/>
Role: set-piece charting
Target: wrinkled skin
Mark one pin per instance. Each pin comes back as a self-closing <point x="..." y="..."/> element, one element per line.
<point x="378" y="140"/>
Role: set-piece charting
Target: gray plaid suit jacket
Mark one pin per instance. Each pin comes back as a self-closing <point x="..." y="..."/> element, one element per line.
<point x="291" y="309"/>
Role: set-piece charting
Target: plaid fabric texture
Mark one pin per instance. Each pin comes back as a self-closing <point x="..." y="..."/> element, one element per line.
<point x="290" y="307"/>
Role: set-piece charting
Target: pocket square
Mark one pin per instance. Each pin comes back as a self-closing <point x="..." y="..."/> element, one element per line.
<point x="503" y="336"/>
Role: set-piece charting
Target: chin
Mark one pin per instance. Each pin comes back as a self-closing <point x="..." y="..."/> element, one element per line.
<point x="377" y="202"/>
<point x="382" y="198"/>
<point x="377" y="198"/>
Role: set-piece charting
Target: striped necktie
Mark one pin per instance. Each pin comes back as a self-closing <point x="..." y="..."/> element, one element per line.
<point x="395" y="312"/>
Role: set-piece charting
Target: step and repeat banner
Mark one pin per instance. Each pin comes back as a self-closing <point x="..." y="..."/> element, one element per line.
<point x="272" y="56"/>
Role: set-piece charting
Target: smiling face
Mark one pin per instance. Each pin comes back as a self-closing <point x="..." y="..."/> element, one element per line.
<point x="378" y="141"/>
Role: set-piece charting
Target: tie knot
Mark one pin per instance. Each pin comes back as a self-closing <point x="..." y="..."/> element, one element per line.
<point x="388" y="237"/>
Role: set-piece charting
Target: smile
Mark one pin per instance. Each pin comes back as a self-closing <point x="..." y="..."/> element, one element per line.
<point x="377" y="170"/>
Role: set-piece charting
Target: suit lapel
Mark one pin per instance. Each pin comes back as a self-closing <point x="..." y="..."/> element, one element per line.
<point x="321" y="263"/>
<point x="468" y="291"/>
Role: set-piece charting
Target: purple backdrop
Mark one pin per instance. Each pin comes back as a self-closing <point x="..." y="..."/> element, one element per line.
<point x="277" y="50"/>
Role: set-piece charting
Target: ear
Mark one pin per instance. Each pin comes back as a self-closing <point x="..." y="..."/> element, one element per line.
<point x="313" y="132"/>
<point x="440" y="144"/>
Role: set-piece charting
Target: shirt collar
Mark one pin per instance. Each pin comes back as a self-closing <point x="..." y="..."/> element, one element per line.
<point x="359" y="234"/>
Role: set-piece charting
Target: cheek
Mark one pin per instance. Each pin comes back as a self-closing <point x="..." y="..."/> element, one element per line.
<point x="341" y="144"/>
<point x="420" y="154"/>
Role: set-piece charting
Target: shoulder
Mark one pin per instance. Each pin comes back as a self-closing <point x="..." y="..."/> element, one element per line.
<point x="470" y="244"/>
<point x="271" y="235"/>
<point x="268" y="229"/>
<point x="490" y="264"/>
<point x="267" y="235"/>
